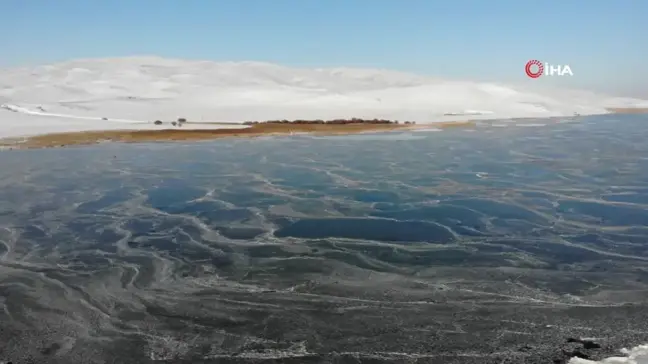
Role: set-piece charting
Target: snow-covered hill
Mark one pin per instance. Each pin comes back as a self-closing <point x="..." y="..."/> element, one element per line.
<point x="132" y="92"/>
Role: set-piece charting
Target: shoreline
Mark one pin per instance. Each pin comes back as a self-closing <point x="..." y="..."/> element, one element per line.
<point x="627" y="110"/>
<point x="68" y="139"/>
<point x="247" y="130"/>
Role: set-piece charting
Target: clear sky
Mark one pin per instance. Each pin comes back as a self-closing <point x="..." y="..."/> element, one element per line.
<point x="605" y="42"/>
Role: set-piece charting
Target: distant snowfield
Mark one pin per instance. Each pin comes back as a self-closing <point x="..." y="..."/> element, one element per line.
<point x="132" y="92"/>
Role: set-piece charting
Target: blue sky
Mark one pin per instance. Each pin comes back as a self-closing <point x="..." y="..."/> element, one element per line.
<point x="605" y="42"/>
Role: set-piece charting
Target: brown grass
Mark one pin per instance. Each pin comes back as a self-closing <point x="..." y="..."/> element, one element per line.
<point x="628" y="110"/>
<point x="163" y="135"/>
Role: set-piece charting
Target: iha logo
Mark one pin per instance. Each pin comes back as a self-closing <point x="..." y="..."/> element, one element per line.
<point x="535" y="69"/>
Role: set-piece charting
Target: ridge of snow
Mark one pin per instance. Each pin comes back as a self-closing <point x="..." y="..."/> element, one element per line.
<point x="139" y="90"/>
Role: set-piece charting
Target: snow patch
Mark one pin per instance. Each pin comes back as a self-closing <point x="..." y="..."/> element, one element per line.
<point x="636" y="355"/>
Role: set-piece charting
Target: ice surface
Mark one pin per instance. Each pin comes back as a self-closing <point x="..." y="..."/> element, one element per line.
<point x="131" y="92"/>
<point x="441" y="247"/>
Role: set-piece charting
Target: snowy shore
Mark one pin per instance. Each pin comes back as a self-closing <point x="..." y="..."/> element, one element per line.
<point x="131" y="93"/>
